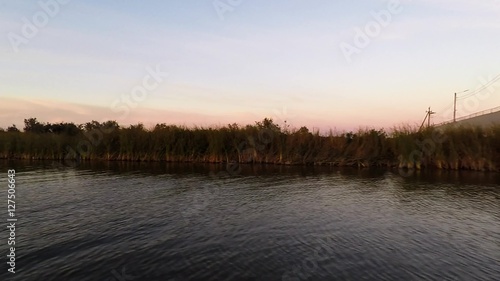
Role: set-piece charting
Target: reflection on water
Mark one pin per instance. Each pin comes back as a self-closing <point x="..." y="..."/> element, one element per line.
<point x="163" y="221"/>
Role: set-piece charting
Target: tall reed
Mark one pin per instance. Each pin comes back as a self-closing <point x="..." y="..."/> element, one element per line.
<point x="473" y="148"/>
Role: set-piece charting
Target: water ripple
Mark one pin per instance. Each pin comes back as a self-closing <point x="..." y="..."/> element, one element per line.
<point x="128" y="223"/>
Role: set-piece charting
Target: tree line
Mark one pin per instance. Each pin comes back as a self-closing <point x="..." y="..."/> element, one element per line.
<point x="475" y="148"/>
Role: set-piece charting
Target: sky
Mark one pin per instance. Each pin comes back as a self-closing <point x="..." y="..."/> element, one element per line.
<point x="339" y="65"/>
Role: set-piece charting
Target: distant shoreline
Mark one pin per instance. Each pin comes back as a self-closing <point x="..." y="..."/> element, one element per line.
<point x="449" y="148"/>
<point x="338" y="164"/>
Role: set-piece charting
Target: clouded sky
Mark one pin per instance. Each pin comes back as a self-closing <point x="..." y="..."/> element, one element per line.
<point x="324" y="64"/>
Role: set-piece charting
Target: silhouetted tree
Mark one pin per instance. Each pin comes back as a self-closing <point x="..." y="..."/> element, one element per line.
<point x="263" y="142"/>
<point x="33" y="126"/>
<point x="12" y="128"/>
<point x="69" y="129"/>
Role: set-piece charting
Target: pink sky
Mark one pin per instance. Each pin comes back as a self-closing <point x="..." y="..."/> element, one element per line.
<point x="282" y="60"/>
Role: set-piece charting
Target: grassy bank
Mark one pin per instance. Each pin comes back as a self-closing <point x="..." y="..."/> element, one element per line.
<point x="471" y="148"/>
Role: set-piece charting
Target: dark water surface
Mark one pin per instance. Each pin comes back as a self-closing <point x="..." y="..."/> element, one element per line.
<point x="123" y="221"/>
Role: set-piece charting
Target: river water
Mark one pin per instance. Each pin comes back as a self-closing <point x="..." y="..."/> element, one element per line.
<point x="158" y="221"/>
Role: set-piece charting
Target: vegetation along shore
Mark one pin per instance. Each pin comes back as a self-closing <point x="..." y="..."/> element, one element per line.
<point x="471" y="148"/>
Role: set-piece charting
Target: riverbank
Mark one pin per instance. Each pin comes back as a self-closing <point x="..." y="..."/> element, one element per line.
<point x="452" y="148"/>
<point x="394" y="164"/>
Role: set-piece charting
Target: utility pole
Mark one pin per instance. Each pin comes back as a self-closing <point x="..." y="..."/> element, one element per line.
<point x="455" y="106"/>
<point x="429" y="113"/>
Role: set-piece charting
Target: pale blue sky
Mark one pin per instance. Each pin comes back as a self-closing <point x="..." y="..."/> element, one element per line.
<point x="279" y="59"/>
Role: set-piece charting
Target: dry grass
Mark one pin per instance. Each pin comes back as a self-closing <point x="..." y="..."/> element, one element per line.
<point x="472" y="148"/>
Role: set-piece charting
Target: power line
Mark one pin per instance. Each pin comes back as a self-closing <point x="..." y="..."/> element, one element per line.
<point x="492" y="81"/>
<point x="496" y="78"/>
<point x="480" y="89"/>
